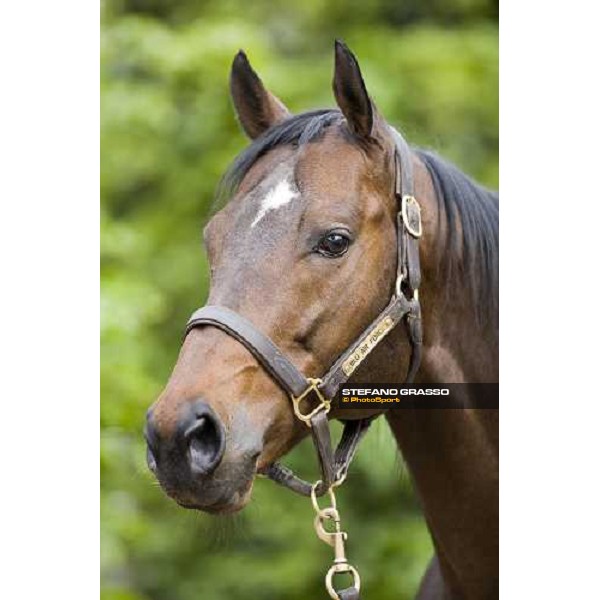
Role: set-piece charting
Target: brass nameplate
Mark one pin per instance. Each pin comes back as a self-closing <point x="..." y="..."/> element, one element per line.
<point x="371" y="340"/>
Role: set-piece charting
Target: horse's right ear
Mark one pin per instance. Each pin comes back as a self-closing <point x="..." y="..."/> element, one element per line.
<point x="256" y="108"/>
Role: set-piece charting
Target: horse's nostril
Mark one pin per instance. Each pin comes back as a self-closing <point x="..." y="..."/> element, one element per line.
<point x="206" y="441"/>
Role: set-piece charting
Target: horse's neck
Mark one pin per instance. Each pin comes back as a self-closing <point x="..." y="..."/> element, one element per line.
<point x="452" y="454"/>
<point x="453" y="462"/>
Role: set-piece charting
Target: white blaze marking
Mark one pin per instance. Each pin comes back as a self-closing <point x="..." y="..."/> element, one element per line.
<point x="276" y="197"/>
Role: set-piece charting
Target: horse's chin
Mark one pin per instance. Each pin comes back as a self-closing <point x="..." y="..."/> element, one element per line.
<point x="228" y="507"/>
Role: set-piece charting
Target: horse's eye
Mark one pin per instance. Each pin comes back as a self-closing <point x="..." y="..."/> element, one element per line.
<point x="333" y="244"/>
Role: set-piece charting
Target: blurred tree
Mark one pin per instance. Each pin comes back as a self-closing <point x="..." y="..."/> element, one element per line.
<point x="168" y="133"/>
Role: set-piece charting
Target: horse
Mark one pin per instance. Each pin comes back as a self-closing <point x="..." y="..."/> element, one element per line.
<point x="304" y="251"/>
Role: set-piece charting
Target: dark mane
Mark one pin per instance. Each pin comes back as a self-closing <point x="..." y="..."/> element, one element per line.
<point x="471" y="255"/>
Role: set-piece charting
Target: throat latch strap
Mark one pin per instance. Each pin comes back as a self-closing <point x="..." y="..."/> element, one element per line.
<point x="344" y="453"/>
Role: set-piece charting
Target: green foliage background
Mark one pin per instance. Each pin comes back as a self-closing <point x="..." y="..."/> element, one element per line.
<point x="168" y="133"/>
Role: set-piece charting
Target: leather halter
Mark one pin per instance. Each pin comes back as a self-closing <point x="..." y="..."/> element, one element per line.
<point x="403" y="306"/>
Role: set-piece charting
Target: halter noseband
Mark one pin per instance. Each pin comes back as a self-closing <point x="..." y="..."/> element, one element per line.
<point x="334" y="464"/>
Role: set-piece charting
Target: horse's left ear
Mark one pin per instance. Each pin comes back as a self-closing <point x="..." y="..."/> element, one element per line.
<point x="256" y="108"/>
<point x="351" y="93"/>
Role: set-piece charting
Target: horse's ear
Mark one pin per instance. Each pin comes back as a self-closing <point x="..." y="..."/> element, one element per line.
<point x="256" y="108"/>
<point x="351" y="93"/>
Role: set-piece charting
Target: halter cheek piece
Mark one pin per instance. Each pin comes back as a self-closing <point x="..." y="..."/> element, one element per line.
<point x="403" y="306"/>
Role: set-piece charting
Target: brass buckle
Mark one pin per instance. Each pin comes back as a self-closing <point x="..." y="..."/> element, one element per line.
<point x="324" y="403"/>
<point x="416" y="230"/>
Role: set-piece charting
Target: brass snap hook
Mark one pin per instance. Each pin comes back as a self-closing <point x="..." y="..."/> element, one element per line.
<point x="329" y="537"/>
<point x="335" y="538"/>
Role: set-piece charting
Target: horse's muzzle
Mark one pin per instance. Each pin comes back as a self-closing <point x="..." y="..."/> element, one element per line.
<point x="186" y="461"/>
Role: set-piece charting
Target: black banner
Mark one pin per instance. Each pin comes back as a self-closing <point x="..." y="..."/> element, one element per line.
<point x="422" y="395"/>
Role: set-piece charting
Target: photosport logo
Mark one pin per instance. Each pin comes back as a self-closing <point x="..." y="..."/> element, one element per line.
<point x="452" y="395"/>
